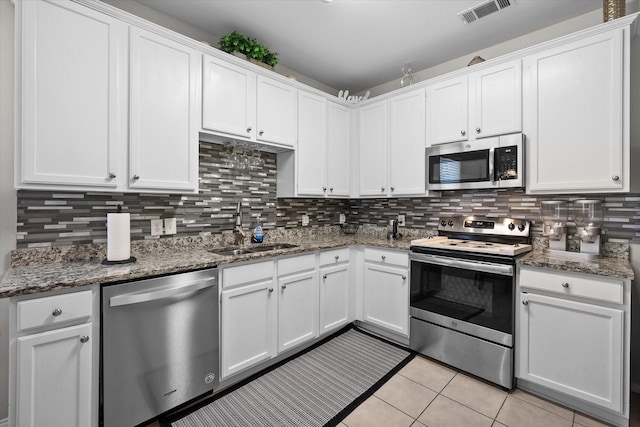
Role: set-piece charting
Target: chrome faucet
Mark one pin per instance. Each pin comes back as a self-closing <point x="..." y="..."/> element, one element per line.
<point x="238" y="232"/>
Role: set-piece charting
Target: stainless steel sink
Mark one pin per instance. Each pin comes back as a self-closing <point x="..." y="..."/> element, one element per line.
<point x="227" y="251"/>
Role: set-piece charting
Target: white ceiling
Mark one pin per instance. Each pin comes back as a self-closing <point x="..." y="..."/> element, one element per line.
<point x="359" y="44"/>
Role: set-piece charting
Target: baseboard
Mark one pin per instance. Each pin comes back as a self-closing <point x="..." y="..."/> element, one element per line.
<point x="4" y="423"/>
<point x="635" y="388"/>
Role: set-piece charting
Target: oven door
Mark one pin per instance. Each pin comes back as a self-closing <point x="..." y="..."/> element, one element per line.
<point x="470" y="296"/>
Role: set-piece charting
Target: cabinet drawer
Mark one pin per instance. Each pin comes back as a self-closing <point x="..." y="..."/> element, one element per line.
<point x="54" y="309"/>
<point x="592" y="287"/>
<point x="334" y="256"/>
<point x="386" y="257"/>
<point x="296" y="264"/>
<point x="246" y="274"/>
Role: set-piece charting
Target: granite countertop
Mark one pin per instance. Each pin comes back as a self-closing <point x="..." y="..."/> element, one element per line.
<point x="612" y="267"/>
<point x="46" y="273"/>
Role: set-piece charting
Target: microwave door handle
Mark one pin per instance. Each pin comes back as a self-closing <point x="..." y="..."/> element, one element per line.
<point x="492" y="154"/>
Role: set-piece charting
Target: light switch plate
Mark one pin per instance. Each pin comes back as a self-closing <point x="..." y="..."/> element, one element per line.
<point x="305" y="220"/>
<point x="401" y="222"/>
<point x="343" y="219"/>
<point x="157" y="227"/>
<point x="170" y="226"/>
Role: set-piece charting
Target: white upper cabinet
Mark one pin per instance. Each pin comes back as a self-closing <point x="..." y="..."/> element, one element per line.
<point x="73" y="104"/>
<point x="484" y="103"/>
<point x="311" y="152"/>
<point x="73" y="82"/>
<point x="238" y="102"/>
<point x="228" y="98"/>
<point x="338" y="149"/>
<point x="164" y="112"/>
<point x="407" y="140"/>
<point x="576" y="111"/>
<point x="372" y="148"/>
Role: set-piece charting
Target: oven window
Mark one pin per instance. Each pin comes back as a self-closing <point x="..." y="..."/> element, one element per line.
<point x="480" y="298"/>
<point x="471" y="166"/>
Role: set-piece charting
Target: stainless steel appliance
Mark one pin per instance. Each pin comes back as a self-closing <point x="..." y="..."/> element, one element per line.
<point x="159" y="345"/>
<point x="462" y="299"/>
<point x="485" y="163"/>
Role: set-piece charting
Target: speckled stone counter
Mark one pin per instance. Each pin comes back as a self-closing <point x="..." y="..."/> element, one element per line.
<point x="47" y="269"/>
<point x="613" y="267"/>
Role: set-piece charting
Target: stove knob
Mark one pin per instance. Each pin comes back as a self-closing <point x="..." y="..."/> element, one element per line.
<point x="521" y="227"/>
<point x="450" y="223"/>
<point x="511" y="226"/>
<point x="443" y="223"/>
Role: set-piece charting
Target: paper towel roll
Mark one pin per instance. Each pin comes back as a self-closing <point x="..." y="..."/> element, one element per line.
<point x="118" y="237"/>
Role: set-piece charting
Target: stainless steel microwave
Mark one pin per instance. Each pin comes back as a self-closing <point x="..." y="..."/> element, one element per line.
<point x="485" y="163"/>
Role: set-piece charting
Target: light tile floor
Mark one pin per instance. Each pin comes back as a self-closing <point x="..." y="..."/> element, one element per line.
<point x="426" y="393"/>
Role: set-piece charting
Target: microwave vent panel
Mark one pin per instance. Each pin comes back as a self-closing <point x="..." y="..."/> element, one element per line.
<point x="484" y="9"/>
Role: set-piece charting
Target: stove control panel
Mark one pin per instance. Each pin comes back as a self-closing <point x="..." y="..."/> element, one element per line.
<point x="478" y="225"/>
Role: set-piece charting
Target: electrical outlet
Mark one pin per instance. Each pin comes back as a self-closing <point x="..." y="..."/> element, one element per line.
<point x="305" y="220"/>
<point x="170" y="226"/>
<point x="401" y="220"/>
<point x="157" y="227"/>
<point x="343" y="219"/>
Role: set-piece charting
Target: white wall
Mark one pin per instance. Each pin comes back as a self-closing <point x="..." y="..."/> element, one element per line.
<point x="7" y="193"/>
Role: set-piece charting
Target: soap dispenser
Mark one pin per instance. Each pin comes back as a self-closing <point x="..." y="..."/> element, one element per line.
<point x="257" y="236"/>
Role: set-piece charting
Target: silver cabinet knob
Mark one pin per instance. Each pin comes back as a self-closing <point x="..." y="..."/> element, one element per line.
<point x="324" y="276"/>
<point x="393" y="188"/>
<point x="404" y="277"/>
<point x="565" y="285"/>
<point x="382" y="189"/>
<point x="56" y="312"/>
<point x="331" y="189"/>
<point x="136" y="177"/>
<point x="112" y="175"/>
<point x="249" y="129"/>
<point x="477" y="130"/>
<point x="615" y="178"/>
<point x="284" y="287"/>
<point x="383" y="257"/>
<point x="84" y="339"/>
<point x="324" y="188"/>
<point x="337" y="257"/>
<point x="525" y="302"/>
<point x="270" y="290"/>
<point x="463" y="133"/>
<point x="261" y="133"/>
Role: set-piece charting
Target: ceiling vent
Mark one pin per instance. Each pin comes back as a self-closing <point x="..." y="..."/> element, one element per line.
<point x="483" y="9"/>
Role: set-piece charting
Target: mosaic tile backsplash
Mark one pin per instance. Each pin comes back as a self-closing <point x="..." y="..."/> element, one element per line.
<point x="47" y="218"/>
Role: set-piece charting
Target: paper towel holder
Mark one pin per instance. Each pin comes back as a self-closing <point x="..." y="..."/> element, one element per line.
<point x="106" y="261"/>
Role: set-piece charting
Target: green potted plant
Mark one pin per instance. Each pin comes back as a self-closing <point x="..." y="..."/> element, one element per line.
<point x="254" y="51"/>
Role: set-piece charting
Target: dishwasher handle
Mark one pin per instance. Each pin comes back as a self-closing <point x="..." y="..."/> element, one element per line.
<point x="136" y="298"/>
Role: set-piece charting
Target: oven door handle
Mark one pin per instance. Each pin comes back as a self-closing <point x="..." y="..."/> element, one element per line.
<point x="505" y="270"/>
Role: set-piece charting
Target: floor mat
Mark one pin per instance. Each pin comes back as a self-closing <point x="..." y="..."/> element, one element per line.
<point x="316" y="388"/>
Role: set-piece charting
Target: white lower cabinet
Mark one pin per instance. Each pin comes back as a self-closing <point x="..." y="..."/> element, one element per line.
<point x="334" y="289"/>
<point x="54" y="360"/>
<point x="386" y="290"/>
<point x="572" y="341"/>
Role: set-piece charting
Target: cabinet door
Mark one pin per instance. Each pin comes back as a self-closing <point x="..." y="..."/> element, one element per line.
<point x="448" y="111"/>
<point x="407" y="141"/>
<point x="297" y="309"/>
<point x="277" y="112"/>
<point x="386" y="297"/>
<point x="334" y="297"/>
<point x="164" y="100"/>
<point x="372" y="149"/>
<point x="55" y="378"/>
<point x="498" y="100"/>
<point x="73" y="78"/>
<point x="338" y="148"/>
<point x="228" y="98"/>
<point x="573" y="116"/>
<point x="572" y="347"/>
<point x="312" y="149"/>
<point x="248" y="320"/>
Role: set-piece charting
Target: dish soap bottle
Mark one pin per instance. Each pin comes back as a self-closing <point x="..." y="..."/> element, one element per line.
<point x="257" y="236"/>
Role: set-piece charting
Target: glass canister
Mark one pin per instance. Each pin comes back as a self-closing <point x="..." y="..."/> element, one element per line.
<point x="554" y="214"/>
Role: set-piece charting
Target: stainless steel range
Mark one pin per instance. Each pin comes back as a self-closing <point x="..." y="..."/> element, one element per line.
<point x="462" y="298"/>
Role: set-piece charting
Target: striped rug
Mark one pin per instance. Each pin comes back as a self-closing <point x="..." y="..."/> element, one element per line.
<point x="318" y="388"/>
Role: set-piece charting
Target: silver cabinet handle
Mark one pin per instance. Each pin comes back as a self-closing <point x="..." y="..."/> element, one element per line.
<point x="565" y="284"/>
<point x="463" y="133"/>
<point x="324" y="276"/>
<point x="525" y="302"/>
<point x="249" y="129"/>
<point x="270" y="290"/>
<point x="383" y="257"/>
<point x="56" y="312"/>
<point x="136" y="177"/>
<point x="84" y="339"/>
<point x="615" y="178"/>
<point x="477" y="130"/>
<point x="284" y="287"/>
<point x="112" y="175"/>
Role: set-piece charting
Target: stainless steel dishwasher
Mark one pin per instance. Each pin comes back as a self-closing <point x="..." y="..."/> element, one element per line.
<point x="159" y="345"/>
